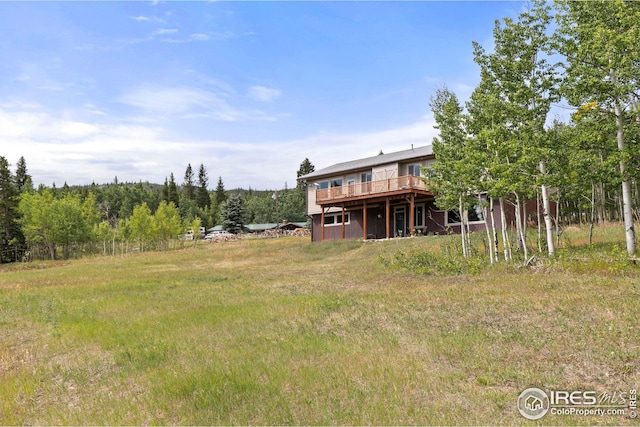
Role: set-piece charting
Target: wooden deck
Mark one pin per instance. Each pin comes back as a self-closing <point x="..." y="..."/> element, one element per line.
<point x="373" y="189"/>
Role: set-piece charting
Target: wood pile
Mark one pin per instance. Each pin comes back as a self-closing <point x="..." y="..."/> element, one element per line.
<point x="267" y="234"/>
<point x="226" y="238"/>
<point x="300" y="232"/>
<point x="270" y="233"/>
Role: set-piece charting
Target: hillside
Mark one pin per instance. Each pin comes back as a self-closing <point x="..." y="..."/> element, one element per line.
<point x="283" y="331"/>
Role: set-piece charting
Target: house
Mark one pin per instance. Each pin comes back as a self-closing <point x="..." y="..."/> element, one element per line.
<point x="378" y="197"/>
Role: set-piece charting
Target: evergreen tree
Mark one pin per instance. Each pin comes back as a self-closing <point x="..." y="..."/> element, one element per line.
<point x="173" y="195"/>
<point x="220" y="195"/>
<point x="23" y="179"/>
<point x="233" y="214"/>
<point x="203" y="199"/>
<point x="188" y="189"/>
<point x="306" y="167"/>
<point x="11" y="238"/>
<point x="165" y="190"/>
<point x="65" y="189"/>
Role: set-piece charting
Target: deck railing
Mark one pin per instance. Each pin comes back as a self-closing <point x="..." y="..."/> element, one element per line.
<point x="408" y="182"/>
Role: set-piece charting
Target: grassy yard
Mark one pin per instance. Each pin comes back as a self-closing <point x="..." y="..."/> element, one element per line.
<point x="283" y="331"/>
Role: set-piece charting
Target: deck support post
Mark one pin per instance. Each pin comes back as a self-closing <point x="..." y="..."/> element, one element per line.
<point x="322" y="224"/>
<point x="387" y="216"/>
<point x="364" y="219"/>
<point x="412" y="214"/>
<point x="343" y="230"/>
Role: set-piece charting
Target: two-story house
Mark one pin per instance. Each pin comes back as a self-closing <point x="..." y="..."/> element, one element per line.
<point x="376" y="197"/>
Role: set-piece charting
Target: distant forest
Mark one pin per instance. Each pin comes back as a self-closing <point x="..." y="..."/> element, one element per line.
<point x="70" y="221"/>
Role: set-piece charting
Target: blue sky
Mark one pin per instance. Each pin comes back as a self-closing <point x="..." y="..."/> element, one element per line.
<point x="137" y="90"/>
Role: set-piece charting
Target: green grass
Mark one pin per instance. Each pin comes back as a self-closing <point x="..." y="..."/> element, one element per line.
<point x="284" y="331"/>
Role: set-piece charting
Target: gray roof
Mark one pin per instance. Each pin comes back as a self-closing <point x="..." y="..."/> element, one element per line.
<point x="370" y="162"/>
<point x="271" y="226"/>
<point x="261" y="227"/>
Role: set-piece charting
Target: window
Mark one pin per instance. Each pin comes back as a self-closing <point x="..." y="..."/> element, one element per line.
<point x="336" y="182"/>
<point x="365" y="177"/>
<point x="475" y="214"/>
<point x="336" y="219"/>
<point x="322" y="185"/>
<point x="419" y="216"/>
<point x="414" y="170"/>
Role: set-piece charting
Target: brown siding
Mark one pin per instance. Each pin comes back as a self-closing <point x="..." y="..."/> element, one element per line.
<point x="434" y="221"/>
<point x="353" y="230"/>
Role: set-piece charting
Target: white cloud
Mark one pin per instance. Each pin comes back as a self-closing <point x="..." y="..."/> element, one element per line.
<point x="196" y="37"/>
<point x="325" y="150"/>
<point x="140" y="18"/>
<point x="187" y="102"/>
<point x="264" y="94"/>
<point x="15" y="124"/>
<point x="163" y="31"/>
<point x="77" y="129"/>
<point x="59" y="149"/>
<point x="170" y="100"/>
<point x="143" y="18"/>
<point x="199" y="37"/>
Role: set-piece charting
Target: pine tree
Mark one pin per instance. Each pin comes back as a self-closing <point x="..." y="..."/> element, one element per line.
<point x="220" y="195"/>
<point x="11" y="238"/>
<point x="23" y="179"/>
<point x="233" y="214"/>
<point x="188" y="189"/>
<point x="306" y="167"/>
<point x="165" y="190"/>
<point x="173" y="195"/>
<point x="203" y="199"/>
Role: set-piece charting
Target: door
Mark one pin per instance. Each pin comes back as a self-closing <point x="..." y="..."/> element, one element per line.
<point x="351" y="185"/>
<point x="399" y="222"/>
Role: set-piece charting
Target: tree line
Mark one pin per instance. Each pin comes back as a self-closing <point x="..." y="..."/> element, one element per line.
<point x="502" y="145"/>
<point x="71" y="221"/>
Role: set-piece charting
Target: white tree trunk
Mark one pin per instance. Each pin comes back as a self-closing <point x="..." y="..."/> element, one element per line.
<point x="485" y="212"/>
<point x="627" y="208"/>
<point x="539" y="220"/>
<point x="520" y="229"/>
<point x="548" y="223"/>
<point x="465" y="250"/>
<point x="505" y="235"/>
<point x="558" y="218"/>
<point x="494" y="233"/>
